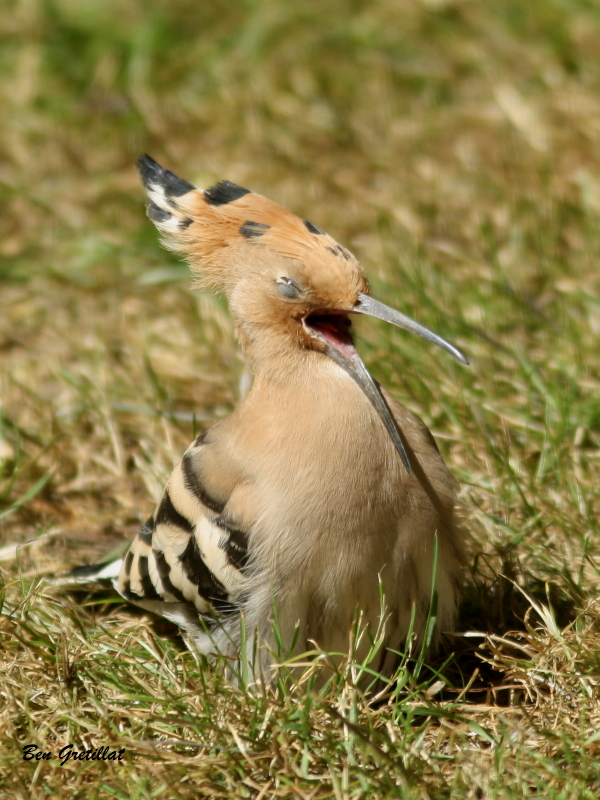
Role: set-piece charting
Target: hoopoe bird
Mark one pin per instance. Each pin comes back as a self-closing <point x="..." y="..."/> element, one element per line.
<point x="320" y="493"/>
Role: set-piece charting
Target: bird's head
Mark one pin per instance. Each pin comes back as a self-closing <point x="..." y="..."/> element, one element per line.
<point x="289" y="285"/>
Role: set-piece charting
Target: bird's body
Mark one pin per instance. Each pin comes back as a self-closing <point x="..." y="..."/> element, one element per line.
<point x="319" y="491"/>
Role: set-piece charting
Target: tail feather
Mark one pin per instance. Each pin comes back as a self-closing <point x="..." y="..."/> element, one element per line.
<point x="91" y="573"/>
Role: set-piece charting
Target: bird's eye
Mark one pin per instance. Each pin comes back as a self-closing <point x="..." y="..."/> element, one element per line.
<point x="288" y="288"/>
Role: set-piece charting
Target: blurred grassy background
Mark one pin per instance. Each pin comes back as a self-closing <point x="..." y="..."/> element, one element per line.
<point x="454" y="146"/>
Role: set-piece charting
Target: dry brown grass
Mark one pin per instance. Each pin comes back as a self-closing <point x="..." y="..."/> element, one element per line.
<point x="455" y="147"/>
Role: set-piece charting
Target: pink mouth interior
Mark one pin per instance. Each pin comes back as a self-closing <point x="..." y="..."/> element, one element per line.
<point x="335" y="329"/>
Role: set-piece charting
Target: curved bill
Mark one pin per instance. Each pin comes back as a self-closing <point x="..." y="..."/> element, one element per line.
<point x="368" y="305"/>
<point x="350" y="361"/>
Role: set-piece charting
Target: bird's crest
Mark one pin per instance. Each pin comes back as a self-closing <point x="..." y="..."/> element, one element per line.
<point x="219" y="229"/>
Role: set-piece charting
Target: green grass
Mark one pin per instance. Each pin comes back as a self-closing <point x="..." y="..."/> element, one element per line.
<point x="453" y="146"/>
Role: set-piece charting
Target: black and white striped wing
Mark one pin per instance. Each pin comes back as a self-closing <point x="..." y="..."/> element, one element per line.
<point x="188" y="562"/>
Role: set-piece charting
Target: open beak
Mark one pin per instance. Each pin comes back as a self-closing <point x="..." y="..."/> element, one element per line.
<point x="340" y="347"/>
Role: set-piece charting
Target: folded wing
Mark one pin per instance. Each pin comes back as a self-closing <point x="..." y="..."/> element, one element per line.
<point x="189" y="561"/>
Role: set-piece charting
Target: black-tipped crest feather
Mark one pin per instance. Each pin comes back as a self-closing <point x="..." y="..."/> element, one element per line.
<point x="224" y="192"/>
<point x="153" y="175"/>
<point x="157" y="214"/>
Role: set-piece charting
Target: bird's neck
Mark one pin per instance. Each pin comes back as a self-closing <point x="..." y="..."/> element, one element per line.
<point x="303" y="396"/>
<point x="283" y="369"/>
<point x="308" y="392"/>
